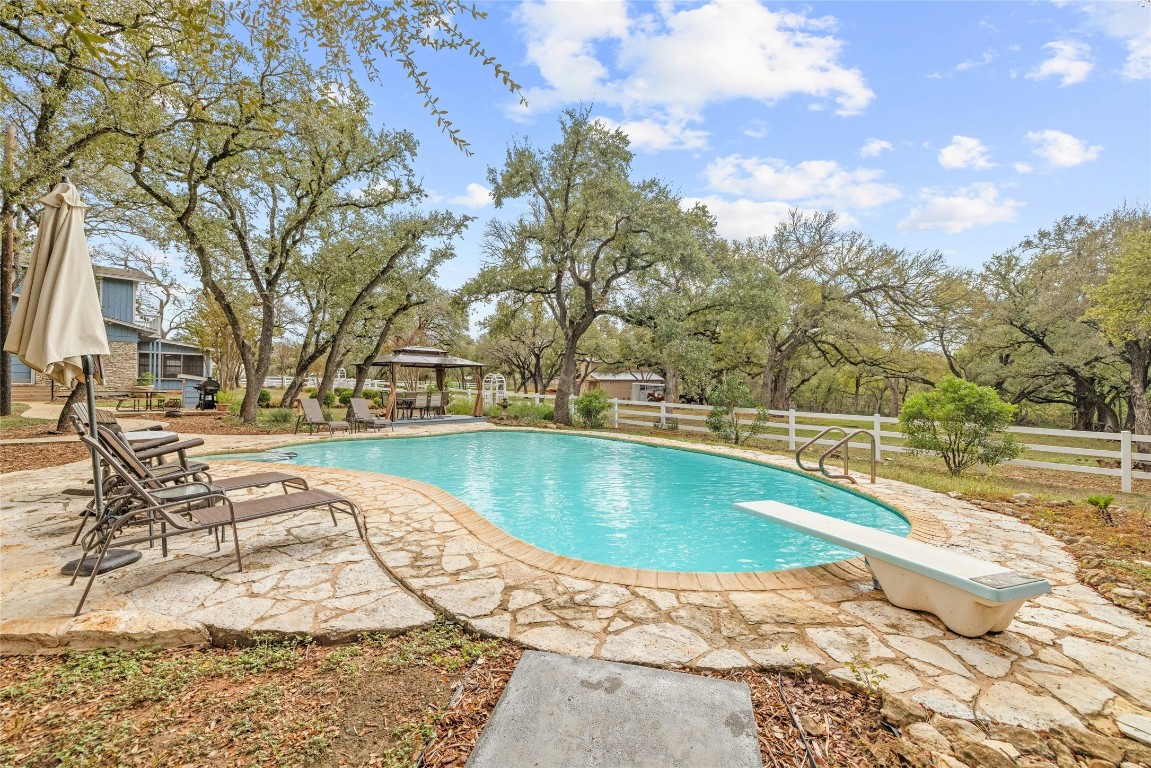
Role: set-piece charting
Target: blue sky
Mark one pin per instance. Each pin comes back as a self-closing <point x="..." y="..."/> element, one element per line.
<point x="957" y="126"/>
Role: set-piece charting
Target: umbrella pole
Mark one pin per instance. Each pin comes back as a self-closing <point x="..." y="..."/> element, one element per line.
<point x="112" y="558"/>
<point x="96" y="484"/>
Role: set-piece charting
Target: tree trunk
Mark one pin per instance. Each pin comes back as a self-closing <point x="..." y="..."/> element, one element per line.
<point x="63" y="424"/>
<point x="566" y="385"/>
<point x="1084" y="406"/>
<point x="1139" y="355"/>
<point x="671" y="385"/>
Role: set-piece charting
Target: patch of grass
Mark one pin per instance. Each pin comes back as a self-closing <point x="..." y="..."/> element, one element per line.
<point x="442" y="644"/>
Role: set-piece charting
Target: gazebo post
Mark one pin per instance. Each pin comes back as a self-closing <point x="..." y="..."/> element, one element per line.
<point x="390" y="411"/>
<point x="478" y="408"/>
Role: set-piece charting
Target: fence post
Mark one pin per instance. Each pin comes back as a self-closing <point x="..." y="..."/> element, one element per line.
<point x="537" y="398"/>
<point x="663" y="415"/>
<point x="615" y="413"/>
<point x="1125" y="460"/>
<point x="791" y="429"/>
<point x="877" y="431"/>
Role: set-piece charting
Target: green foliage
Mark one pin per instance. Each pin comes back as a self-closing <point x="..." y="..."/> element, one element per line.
<point x="343" y="395"/>
<point x="1102" y="503"/>
<point x="443" y="644"/>
<point x="1123" y="303"/>
<point x="961" y="422"/>
<point x="373" y="395"/>
<point x="146" y="379"/>
<point x="265" y="398"/>
<point x="277" y="416"/>
<point x="592" y="408"/>
<point x="461" y="406"/>
<point x="230" y="396"/>
<point x="527" y="411"/>
<point x="329" y="400"/>
<point x="724" y="420"/>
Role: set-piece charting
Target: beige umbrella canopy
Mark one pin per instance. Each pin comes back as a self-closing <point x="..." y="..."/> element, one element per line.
<point x="58" y="319"/>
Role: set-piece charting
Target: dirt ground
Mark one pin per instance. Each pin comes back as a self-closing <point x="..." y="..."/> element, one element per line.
<point x="419" y="699"/>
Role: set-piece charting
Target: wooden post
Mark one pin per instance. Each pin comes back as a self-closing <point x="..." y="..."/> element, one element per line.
<point x="877" y="431"/>
<point x="390" y="410"/>
<point x="478" y="407"/>
<point x="7" y="261"/>
<point x="1125" y="461"/>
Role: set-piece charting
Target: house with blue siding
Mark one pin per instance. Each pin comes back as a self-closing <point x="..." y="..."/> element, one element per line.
<point x="135" y="341"/>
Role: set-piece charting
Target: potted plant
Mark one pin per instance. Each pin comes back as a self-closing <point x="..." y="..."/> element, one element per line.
<point x="144" y="382"/>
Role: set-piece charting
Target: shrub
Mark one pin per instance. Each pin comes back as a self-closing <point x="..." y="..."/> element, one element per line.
<point x="460" y="406"/>
<point x="724" y="420"/>
<point x="960" y="421"/>
<point x="329" y="399"/>
<point x="230" y="396"/>
<point x="265" y="398"/>
<point x="1103" y="505"/>
<point x="146" y="379"/>
<point x="277" y="416"/>
<point x="373" y="395"/>
<point x="591" y="409"/>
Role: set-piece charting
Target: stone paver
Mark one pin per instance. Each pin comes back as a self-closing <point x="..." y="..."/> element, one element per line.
<point x="1069" y="658"/>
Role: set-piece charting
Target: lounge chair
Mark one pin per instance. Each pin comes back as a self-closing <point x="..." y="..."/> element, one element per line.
<point x="362" y="415"/>
<point x="183" y="509"/>
<point x="971" y="596"/>
<point x="313" y="416"/>
<point x="157" y="477"/>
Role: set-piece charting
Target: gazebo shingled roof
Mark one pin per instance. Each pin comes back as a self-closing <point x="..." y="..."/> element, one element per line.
<point x="427" y="357"/>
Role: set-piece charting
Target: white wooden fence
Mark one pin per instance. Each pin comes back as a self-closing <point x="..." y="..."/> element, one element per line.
<point x="796" y="427"/>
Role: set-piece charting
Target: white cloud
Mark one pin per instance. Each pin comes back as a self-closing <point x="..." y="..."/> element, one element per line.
<point x="756" y="129"/>
<point x="655" y="136"/>
<point x="1024" y="168"/>
<point x="1126" y="22"/>
<point x="976" y="205"/>
<point x="666" y="61"/>
<point x="741" y="219"/>
<point x="813" y="183"/>
<point x="986" y="58"/>
<point x="965" y="152"/>
<point x="475" y="196"/>
<point x="1062" y="150"/>
<point x="875" y="147"/>
<point x="1069" y="62"/>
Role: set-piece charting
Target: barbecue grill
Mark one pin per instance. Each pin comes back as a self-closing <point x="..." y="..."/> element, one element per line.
<point x="208" y="389"/>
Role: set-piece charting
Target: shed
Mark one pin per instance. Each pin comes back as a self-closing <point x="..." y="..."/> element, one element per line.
<point x="627" y="385"/>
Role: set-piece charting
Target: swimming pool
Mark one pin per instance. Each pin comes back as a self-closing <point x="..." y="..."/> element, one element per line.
<point x="612" y="501"/>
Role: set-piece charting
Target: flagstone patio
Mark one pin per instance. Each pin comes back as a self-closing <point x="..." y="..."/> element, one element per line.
<point x="1071" y="660"/>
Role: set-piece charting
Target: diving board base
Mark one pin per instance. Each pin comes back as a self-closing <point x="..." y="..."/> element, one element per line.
<point x="959" y="610"/>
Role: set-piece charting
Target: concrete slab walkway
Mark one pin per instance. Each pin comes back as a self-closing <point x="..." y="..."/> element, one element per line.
<point x="579" y="713"/>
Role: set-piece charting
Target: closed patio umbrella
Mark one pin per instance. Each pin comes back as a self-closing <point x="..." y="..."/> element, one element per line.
<point x="58" y="319"/>
<point x="58" y="327"/>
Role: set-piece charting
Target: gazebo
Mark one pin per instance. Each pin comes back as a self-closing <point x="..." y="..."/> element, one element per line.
<point x="426" y="357"/>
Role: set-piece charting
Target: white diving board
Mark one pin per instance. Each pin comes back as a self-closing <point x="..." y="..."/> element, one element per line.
<point x="971" y="596"/>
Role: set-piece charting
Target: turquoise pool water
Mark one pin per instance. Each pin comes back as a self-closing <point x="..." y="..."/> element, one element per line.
<point x="611" y="501"/>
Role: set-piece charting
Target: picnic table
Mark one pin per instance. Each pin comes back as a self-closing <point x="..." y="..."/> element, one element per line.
<point x="151" y="400"/>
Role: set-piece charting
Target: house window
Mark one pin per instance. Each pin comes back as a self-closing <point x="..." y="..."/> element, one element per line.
<point x="172" y="365"/>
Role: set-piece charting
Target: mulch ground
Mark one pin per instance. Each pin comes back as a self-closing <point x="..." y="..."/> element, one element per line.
<point x="417" y="700"/>
<point x="14" y="458"/>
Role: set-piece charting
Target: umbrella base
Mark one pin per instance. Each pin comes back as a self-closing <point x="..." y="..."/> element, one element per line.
<point x="113" y="559"/>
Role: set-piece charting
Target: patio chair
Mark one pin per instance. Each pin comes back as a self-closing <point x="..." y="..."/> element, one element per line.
<point x="183" y="509"/>
<point x="146" y="450"/>
<point x="313" y="416"/>
<point x="362" y="415"/>
<point x="157" y="477"/>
